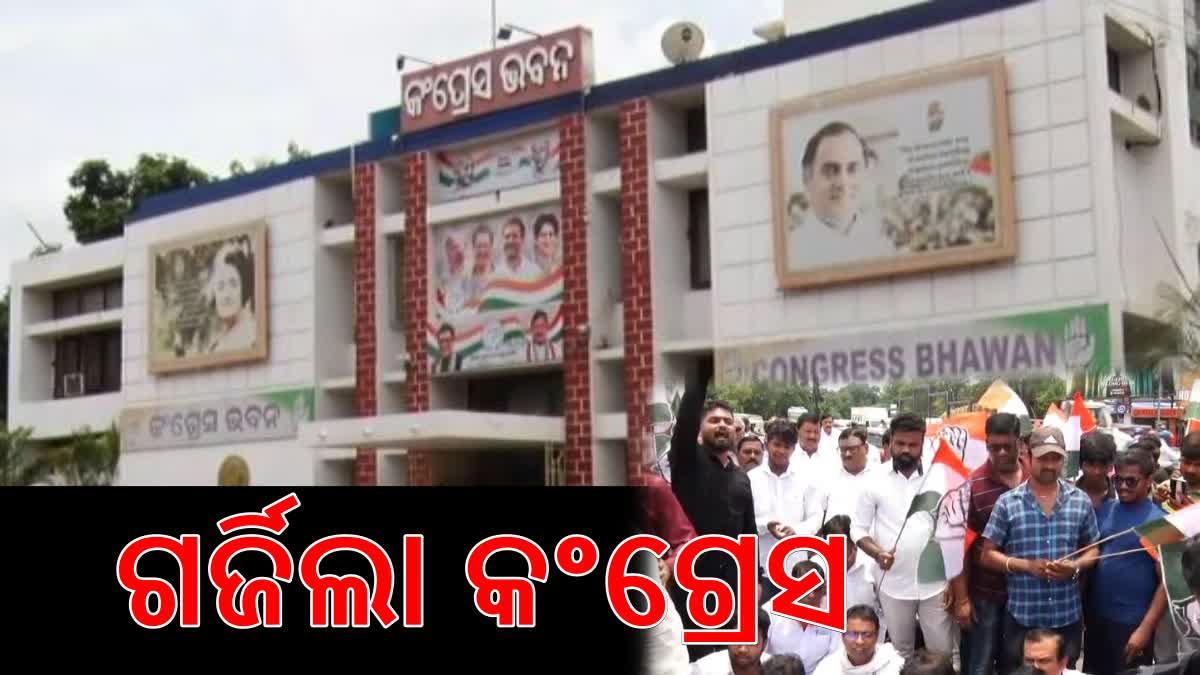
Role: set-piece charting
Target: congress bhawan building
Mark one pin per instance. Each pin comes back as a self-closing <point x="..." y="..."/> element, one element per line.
<point x="496" y="286"/>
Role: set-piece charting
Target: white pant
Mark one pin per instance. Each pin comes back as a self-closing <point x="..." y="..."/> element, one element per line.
<point x="938" y="627"/>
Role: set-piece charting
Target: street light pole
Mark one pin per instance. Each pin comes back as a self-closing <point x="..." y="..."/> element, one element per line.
<point x="493" y="25"/>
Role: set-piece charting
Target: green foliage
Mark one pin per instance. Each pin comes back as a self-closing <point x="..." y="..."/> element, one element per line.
<point x="87" y="459"/>
<point x="4" y="304"/>
<point x="20" y="462"/>
<point x="931" y="398"/>
<point x="294" y="152"/>
<point x="102" y="198"/>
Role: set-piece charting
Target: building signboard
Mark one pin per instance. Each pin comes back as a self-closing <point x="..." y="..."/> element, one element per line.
<point x="526" y="72"/>
<point x="1054" y="342"/>
<point x="228" y="421"/>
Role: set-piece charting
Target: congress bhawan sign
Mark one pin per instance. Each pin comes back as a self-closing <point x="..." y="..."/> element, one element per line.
<point x="529" y="71"/>
<point x="1054" y="342"/>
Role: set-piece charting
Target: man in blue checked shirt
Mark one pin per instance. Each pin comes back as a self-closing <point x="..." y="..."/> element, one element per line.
<point x="1032" y="529"/>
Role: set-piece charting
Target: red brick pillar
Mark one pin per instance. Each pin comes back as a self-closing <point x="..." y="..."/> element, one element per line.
<point x="635" y="287"/>
<point x="366" y="469"/>
<point x="576" y="343"/>
<point x="416" y="305"/>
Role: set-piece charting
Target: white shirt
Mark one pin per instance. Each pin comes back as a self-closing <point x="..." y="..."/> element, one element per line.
<point x="525" y="271"/>
<point x="887" y="661"/>
<point x="717" y="663"/>
<point x="783" y="499"/>
<point x="881" y="513"/>
<point x="811" y="643"/>
<point x="837" y="492"/>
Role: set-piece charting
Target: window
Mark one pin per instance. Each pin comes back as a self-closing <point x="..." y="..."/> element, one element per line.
<point x="697" y="132"/>
<point x="98" y="297"/>
<point x="1193" y="70"/>
<point x="1114" y="70"/>
<point x="94" y="356"/>
<point x="698" y="240"/>
<point x="397" y="304"/>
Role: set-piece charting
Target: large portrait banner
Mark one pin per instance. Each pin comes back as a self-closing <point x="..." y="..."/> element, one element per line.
<point x="894" y="177"/>
<point x="207" y="302"/>
<point x="497" y="291"/>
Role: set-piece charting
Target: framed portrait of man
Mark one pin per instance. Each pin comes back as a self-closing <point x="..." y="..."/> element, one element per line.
<point x="207" y="300"/>
<point x="899" y="176"/>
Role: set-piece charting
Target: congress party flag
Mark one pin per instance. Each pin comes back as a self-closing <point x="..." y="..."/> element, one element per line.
<point x="944" y="494"/>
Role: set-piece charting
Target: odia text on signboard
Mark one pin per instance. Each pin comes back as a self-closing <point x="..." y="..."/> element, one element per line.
<point x="264" y="417"/>
<point x="531" y="71"/>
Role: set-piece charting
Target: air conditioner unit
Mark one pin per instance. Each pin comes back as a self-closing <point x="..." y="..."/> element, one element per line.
<point x="73" y="384"/>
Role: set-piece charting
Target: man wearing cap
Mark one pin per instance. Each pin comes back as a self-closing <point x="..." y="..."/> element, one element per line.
<point x="1031" y="537"/>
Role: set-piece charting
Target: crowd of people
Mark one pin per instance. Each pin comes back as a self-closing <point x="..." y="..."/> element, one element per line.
<point x="1056" y="582"/>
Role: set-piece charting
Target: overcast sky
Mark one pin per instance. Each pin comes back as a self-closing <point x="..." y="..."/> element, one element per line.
<point x="217" y="80"/>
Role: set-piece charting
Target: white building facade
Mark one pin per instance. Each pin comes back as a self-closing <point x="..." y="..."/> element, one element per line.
<point x="659" y="221"/>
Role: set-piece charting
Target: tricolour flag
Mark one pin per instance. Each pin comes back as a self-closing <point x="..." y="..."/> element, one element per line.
<point x="1173" y="528"/>
<point x="966" y="435"/>
<point x="1073" y="427"/>
<point x="943" y="496"/>
<point x="1165" y="539"/>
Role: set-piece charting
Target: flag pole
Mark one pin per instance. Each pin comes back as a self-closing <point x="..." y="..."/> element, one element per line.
<point x="1095" y="544"/>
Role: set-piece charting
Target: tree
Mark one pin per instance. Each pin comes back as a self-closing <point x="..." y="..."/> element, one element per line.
<point x="20" y="463"/>
<point x="88" y="459"/>
<point x="4" y="354"/>
<point x="294" y="152"/>
<point x="102" y="198"/>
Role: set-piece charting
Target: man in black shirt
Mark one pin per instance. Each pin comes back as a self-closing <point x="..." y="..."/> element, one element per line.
<point x="705" y="478"/>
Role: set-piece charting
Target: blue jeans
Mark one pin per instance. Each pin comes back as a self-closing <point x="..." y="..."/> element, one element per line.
<point x="981" y="644"/>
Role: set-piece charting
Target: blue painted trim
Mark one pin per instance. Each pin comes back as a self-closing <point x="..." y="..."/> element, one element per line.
<point x="791" y="48"/>
<point x="794" y="48"/>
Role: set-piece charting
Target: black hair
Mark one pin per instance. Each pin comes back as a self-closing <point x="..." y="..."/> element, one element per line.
<point x="1039" y="634"/>
<point x="826" y="416"/>
<point x="244" y="264"/>
<point x="1139" y="459"/>
<point x="784" y="664"/>
<point x="783" y="430"/>
<point x="863" y="613"/>
<point x="805" y="566"/>
<point x="545" y="219"/>
<point x="764" y="624"/>
<point x="839" y="524"/>
<point x="515" y="220"/>
<point x="748" y="438"/>
<point x="907" y="422"/>
<point x="808" y="418"/>
<point x="828" y="131"/>
<point x="1027" y="670"/>
<point x="1190" y="562"/>
<point x="1003" y="424"/>
<point x="446" y="327"/>
<point x="482" y="229"/>
<point x="1152" y="441"/>
<point x="926" y="662"/>
<point x="857" y="432"/>
<point x="1190" y="447"/>
<point x="887" y="437"/>
<point x="716" y="403"/>
<point x="539" y="313"/>
<point x="1097" y="447"/>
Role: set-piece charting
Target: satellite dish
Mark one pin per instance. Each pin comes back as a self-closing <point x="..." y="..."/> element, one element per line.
<point x="682" y="41"/>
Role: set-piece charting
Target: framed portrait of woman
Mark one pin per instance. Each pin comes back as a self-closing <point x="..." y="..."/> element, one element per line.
<point x="207" y="300"/>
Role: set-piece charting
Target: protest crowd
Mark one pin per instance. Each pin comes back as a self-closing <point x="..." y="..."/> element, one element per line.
<point x="1012" y="567"/>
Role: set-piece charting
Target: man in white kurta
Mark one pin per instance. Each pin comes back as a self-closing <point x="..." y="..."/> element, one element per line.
<point x="782" y="494"/>
<point x="896" y="546"/>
